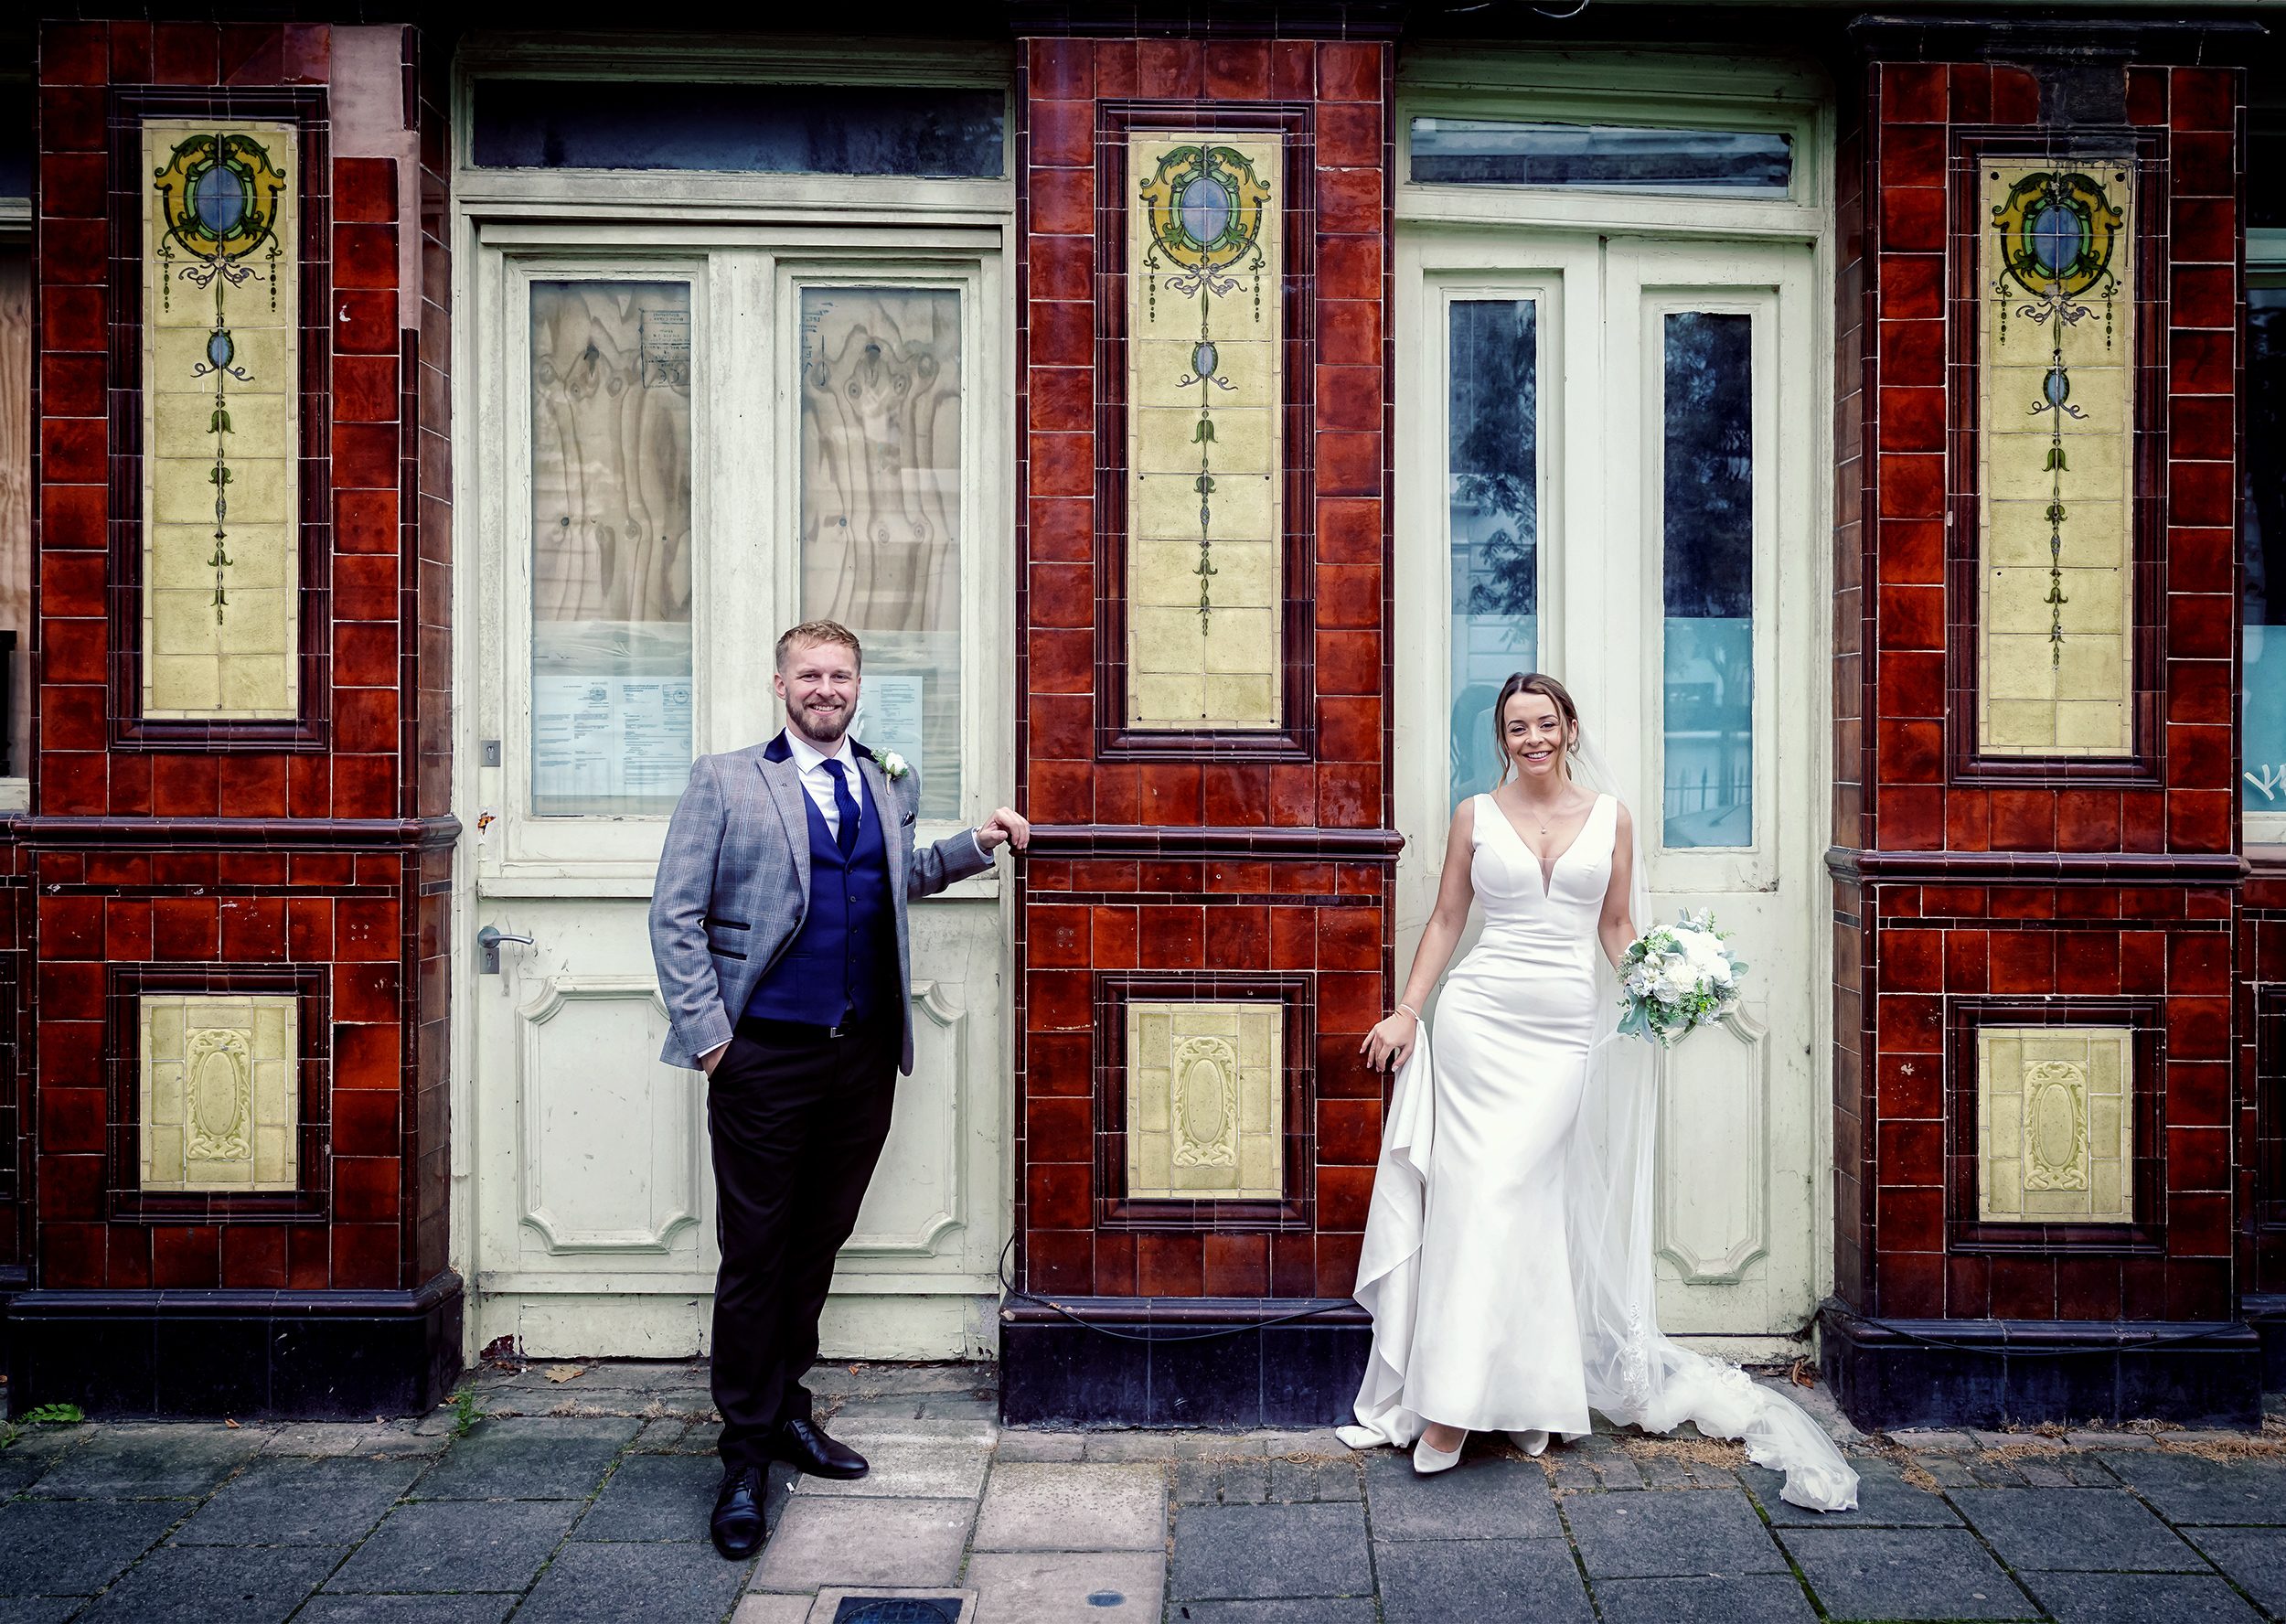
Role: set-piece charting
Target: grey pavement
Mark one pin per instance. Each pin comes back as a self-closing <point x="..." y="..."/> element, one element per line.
<point x="582" y="1492"/>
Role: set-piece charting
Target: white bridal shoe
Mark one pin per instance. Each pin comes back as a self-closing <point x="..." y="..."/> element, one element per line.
<point x="1427" y="1458"/>
<point x="1531" y="1443"/>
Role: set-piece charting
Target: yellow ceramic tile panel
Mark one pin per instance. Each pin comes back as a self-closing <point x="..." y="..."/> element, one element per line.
<point x="1205" y="1101"/>
<point x="1205" y="312"/>
<point x="2055" y="276"/>
<point x="2056" y="1124"/>
<point x="221" y="280"/>
<point x="221" y="1107"/>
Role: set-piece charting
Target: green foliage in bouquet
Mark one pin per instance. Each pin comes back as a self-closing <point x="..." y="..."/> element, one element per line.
<point x="1676" y="977"/>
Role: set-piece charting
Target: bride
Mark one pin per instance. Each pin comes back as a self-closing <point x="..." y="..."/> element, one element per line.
<point x="1507" y="1261"/>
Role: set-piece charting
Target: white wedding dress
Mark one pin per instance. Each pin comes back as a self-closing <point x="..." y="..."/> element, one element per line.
<point x="1507" y="1260"/>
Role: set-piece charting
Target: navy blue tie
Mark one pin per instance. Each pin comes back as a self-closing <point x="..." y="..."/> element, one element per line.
<point x="845" y="805"/>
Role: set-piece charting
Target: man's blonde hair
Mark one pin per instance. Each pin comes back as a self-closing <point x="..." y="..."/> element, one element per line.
<point x="820" y="631"/>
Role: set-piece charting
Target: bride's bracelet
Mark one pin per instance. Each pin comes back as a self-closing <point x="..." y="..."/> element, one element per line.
<point x="1409" y="1009"/>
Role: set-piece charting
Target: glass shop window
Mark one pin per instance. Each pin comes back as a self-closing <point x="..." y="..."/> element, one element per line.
<point x="546" y="124"/>
<point x="1601" y="157"/>
<point x="610" y="363"/>
<point x="1707" y="580"/>
<point x="881" y="402"/>
<point x="1493" y="494"/>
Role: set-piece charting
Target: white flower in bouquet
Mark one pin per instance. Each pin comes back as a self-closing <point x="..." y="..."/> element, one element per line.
<point x="1674" y="978"/>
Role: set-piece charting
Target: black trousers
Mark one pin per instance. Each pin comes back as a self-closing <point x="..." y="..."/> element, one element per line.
<point x="795" y="1133"/>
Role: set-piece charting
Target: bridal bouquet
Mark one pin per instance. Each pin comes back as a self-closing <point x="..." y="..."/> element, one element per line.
<point x="1676" y="977"/>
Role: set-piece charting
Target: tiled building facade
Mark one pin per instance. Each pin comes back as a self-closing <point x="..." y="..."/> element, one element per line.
<point x="534" y="382"/>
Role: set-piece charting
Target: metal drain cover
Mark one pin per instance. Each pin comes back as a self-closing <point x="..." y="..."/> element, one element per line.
<point x="897" y="1610"/>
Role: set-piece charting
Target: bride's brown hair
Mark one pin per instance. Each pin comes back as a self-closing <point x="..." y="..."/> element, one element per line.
<point x="1530" y="682"/>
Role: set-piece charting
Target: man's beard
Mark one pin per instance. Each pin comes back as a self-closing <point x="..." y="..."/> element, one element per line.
<point x="827" y="730"/>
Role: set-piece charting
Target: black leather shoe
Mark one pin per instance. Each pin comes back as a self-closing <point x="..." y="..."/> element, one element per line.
<point x="737" y="1525"/>
<point x="803" y="1445"/>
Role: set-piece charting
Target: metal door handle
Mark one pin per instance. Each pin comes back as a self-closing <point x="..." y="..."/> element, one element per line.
<point x="488" y="942"/>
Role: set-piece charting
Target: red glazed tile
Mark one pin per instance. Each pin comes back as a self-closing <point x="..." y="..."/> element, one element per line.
<point x="2202" y="99"/>
<point x="1349" y="134"/>
<point x="185" y="1256"/>
<point x="1349" y="72"/>
<point x="2016" y="97"/>
<point x="1063" y="201"/>
<point x="1237" y="1264"/>
<point x="1349" y="531"/>
<point x="1060" y="135"/>
<point x="2146" y="96"/>
<point x="1169" y="1265"/>
<point x="1060" y="69"/>
<point x="1237" y="70"/>
<point x="1170" y="67"/>
<point x="1294" y="71"/>
<point x="1061" y="268"/>
<point x="73" y="53"/>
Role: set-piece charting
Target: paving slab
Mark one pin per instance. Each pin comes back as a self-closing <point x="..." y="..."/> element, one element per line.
<point x="2192" y="1489"/>
<point x="1487" y="1496"/>
<point x="1143" y="1444"/>
<point x="214" y="1584"/>
<point x="1689" y="1531"/>
<point x="2138" y="1598"/>
<point x="39" y="1609"/>
<point x="1052" y="1506"/>
<point x="456" y="1545"/>
<point x="1318" y="1609"/>
<point x="1932" y="1439"/>
<point x="1885" y="1499"/>
<point x="528" y="1458"/>
<point x="822" y="1540"/>
<point x="1021" y="1444"/>
<point x="755" y="1608"/>
<point x="654" y="1497"/>
<point x="2254" y="1557"/>
<point x="912" y="1460"/>
<point x="325" y="1437"/>
<point x="1072" y="1588"/>
<point x="404" y="1610"/>
<point x="75" y="1548"/>
<point x="1439" y="1581"/>
<point x="633" y="1583"/>
<point x="291" y="1502"/>
<point x="2084" y="1530"/>
<point x="151" y="1462"/>
<point x="1904" y="1573"/>
<point x="1240" y="1552"/>
<point x="1744" y="1598"/>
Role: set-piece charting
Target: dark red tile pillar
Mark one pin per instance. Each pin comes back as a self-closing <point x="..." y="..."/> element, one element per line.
<point x="313" y="858"/>
<point x="1198" y="867"/>
<point x="2041" y="891"/>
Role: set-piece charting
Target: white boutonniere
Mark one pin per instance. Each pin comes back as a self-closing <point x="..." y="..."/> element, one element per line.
<point x="894" y="765"/>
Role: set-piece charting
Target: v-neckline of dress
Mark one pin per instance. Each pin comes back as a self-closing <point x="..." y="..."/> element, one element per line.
<point x="1546" y="865"/>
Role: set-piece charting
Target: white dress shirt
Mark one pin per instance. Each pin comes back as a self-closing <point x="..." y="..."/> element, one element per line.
<point x="810" y="762"/>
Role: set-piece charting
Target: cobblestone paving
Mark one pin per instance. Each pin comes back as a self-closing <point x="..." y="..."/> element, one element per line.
<point x="582" y="1494"/>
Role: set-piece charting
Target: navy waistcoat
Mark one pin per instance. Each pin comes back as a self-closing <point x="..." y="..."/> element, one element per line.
<point x="839" y="963"/>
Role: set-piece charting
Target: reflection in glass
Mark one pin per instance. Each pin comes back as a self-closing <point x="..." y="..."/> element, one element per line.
<point x="2262" y="543"/>
<point x="603" y="124"/>
<point x="1492" y="461"/>
<point x="611" y="546"/>
<point x="882" y="511"/>
<point x="1606" y="157"/>
<point x="1708" y="580"/>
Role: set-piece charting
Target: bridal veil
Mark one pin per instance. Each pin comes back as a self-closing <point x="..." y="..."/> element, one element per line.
<point x="1635" y="1376"/>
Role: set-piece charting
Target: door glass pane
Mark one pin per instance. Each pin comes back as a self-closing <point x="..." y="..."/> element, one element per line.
<point x="882" y="511"/>
<point x="1708" y="580"/>
<point x="1492" y="459"/>
<point x="1605" y="157"/>
<point x="611" y="546"/>
<point x="2262" y="519"/>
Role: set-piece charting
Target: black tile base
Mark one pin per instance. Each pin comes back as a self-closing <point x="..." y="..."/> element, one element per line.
<point x="307" y="1356"/>
<point x="1987" y="1373"/>
<point x="2266" y="1311"/>
<point x="1181" y="1362"/>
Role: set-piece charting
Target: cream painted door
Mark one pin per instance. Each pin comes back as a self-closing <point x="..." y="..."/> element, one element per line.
<point x="1611" y="447"/>
<point x="685" y="443"/>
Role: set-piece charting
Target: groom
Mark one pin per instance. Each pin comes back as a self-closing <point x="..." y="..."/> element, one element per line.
<point x="778" y="928"/>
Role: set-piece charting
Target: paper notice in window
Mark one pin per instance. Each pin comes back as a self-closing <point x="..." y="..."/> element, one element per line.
<point x="609" y="738"/>
<point x="888" y="717"/>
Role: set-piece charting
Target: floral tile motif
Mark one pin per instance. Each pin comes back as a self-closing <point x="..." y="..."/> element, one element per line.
<point x="219" y="1109"/>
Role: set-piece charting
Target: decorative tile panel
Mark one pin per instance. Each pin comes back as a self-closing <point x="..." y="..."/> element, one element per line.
<point x="2056" y="293"/>
<point x="2054" y="1125"/>
<point x="218" y="1101"/>
<point x="220" y="431"/>
<point x="1204" y="1106"/>
<point x="1205" y="320"/>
